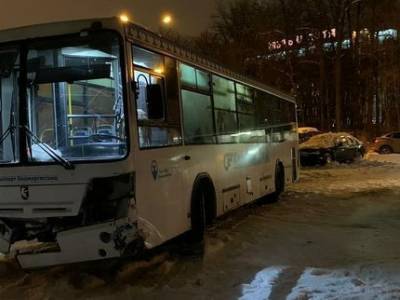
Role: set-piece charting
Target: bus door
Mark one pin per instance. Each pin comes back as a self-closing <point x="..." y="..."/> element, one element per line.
<point x="160" y="201"/>
<point x="159" y="192"/>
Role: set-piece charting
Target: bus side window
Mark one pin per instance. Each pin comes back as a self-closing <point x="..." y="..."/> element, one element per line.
<point x="196" y="105"/>
<point x="247" y="119"/>
<point x="225" y="110"/>
<point x="149" y="84"/>
<point x="157" y="100"/>
<point x="197" y="118"/>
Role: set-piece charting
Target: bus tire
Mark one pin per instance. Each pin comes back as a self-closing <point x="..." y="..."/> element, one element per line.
<point x="198" y="214"/>
<point x="279" y="183"/>
<point x="203" y="208"/>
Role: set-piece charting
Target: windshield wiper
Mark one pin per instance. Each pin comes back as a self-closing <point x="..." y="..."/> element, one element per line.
<point x="10" y="131"/>
<point x="48" y="150"/>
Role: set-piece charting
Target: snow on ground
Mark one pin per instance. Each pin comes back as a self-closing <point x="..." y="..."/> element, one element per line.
<point x="261" y="286"/>
<point x="375" y="172"/>
<point x="388" y="158"/>
<point x="320" y="284"/>
<point x="334" y="235"/>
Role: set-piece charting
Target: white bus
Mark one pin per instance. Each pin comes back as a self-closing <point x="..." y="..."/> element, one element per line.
<point x="114" y="139"/>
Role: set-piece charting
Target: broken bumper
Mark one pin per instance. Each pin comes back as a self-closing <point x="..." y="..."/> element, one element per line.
<point x="5" y="238"/>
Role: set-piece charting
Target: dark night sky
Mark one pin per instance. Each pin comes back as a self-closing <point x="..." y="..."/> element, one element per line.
<point x="192" y="16"/>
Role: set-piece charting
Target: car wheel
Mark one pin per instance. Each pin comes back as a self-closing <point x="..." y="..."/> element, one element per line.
<point x="385" y="150"/>
<point x="359" y="156"/>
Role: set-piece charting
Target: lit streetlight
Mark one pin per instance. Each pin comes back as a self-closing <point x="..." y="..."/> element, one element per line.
<point x="166" y="25"/>
<point x="167" y="19"/>
<point x="124" y="18"/>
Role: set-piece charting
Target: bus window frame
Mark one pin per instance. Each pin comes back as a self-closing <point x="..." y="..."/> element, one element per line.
<point x="200" y="91"/>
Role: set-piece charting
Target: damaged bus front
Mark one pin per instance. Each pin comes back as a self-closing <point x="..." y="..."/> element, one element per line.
<point x="66" y="179"/>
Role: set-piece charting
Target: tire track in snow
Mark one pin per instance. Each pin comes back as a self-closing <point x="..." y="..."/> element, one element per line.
<point x="285" y="283"/>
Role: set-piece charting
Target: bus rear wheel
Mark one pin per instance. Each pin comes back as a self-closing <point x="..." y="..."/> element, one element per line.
<point x="279" y="183"/>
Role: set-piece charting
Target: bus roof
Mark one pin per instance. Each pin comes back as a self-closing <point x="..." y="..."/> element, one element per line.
<point x="140" y="35"/>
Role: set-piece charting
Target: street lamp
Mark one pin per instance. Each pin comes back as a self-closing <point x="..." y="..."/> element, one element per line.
<point x="124" y="18"/>
<point x="167" y="19"/>
<point x="165" y="29"/>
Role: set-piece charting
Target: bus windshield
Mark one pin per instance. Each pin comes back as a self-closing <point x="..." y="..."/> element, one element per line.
<point x="75" y="99"/>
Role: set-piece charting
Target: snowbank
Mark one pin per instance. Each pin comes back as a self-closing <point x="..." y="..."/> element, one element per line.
<point x="304" y="130"/>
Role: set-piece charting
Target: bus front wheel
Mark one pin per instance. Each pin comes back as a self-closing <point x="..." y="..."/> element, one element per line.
<point x="199" y="217"/>
<point x="193" y="242"/>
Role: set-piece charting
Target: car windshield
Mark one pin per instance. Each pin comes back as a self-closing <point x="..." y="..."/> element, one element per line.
<point x="9" y="72"/>
<point x="75" y="99"/>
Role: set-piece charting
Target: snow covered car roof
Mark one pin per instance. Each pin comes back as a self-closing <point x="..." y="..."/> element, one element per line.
<point x="325" y="140"/>
<point x="304" y="130"/>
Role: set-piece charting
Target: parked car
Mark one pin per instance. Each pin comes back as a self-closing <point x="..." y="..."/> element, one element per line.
<point x="325" y="148"/>
<point x="305" y="133"/>
<point x="389" y="143"/>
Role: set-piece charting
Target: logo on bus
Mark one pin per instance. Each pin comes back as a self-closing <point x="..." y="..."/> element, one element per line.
<point x="154" y="169"/>
<point x="24" y="192"/>
<point x="230" y="161"/>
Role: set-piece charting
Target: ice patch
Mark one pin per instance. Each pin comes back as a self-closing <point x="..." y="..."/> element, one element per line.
<point x="261" y="287"/>
<point x="320" y="284"/>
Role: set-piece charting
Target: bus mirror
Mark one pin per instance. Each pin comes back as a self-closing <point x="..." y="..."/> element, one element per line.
<point x="135" y="88"/>
<point x="155" y="103"/>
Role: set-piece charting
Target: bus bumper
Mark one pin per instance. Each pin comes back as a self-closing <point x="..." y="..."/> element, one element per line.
<point x="97" y="242"/>
<point x="5" y="238"/>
